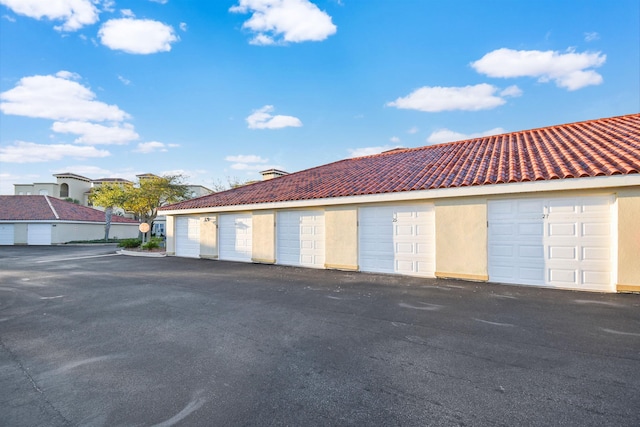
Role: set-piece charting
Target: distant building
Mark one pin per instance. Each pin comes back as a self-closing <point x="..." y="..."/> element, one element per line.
<point x="77" y="188"/>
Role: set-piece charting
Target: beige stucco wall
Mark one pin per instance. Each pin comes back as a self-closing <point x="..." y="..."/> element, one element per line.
<point x="171" y="233"/>
<point x="20" y="234"/>
<point x="629" y="240"/>
<point x="263" y="237"/>
<point x="461" y="239"/>
<point x="68" y="232"/>
<point x="209" y="236"/>
<point x="341" y="237"/>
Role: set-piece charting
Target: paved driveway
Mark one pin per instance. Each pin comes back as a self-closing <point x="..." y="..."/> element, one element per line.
<point x="92" y="338"/>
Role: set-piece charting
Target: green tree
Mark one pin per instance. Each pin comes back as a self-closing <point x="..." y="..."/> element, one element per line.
<point x="142" y="199"/>
<point x="108" y="196"/>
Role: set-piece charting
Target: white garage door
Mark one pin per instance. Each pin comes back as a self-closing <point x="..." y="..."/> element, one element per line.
<point x="556" y="242"/>
<point x="397" y="239"/>
<point x="188" y="237"/>
<point x="38" y="234"/>
<point x="6" y="234"/>
<point x="235" y="237"/>
<point x="300" y="238"/>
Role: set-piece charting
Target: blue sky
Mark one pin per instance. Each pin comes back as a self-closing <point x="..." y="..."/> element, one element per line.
<point x="218" y="89"/>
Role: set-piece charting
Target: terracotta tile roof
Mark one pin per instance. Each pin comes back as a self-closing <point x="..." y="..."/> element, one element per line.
<point x="37" y="208"/>
<point x="592" y="148"/>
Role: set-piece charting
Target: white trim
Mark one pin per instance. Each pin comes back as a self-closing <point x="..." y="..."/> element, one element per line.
<point x="52" y="208"/>
<point x="590" y="183"/>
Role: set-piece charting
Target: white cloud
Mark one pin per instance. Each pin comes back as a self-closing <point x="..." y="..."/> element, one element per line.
<point x="89" y="171"/>
<point x="91" y="133"/>
<point x="394" y="139"/>
<point x="184" y="26"/>
<point x="9" y="18"/>
<point x="108" y="5"/>
<point x="241" y="158"/>
<point x="413" y="130"/>
<point x="250" y="162"/>
<point x="137" y="36"/>
<point x="30" y="152"/>
<point x="368" y="151"/>
<point x="152" y="147"/>
<point x="591" y="36"/>
<point x="262" y="119"/>
<point x="569" y="70"/>
<point x="124" y="80"/>
<point x="446" y="135"/>
<point x="437" y="98"/>
<point x="7" y="180"/>
<point x="75" y="13"/>
<point x="160" y="1"/>
<point x="512" y="91"/>
<point x="57" y="98"/>
<point x="128" y="13"/>
<point x="278" y="21"/>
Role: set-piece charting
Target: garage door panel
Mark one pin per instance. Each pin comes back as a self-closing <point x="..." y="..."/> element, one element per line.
<point x="590" y="253"/>
<point x="300" y="238"/>
<point x="529" y="252"/>
<point x="566" y="244"/>
<point x="530" y="207"/>
<point x="397" y="239"/>
<point x="596" y="229"/>
<point x="235" y="237"/>
<point x="563" y="253"/>
<point x="188" y="237"/>
<point x="501" y="209"/>
<point x="530" y="229"/>
<point x="531" y="274"/>
<point x="562" y="230"/>
<point x="563" y="276"/>
<point x="595" y="277"/>
<point x="7" y="234"/>
<point x="39" y="234"/>
<point x="502" y="251"/>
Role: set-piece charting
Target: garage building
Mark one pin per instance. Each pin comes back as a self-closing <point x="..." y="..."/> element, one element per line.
<point x="555" y="207"/>
<point x="44" y="220"/>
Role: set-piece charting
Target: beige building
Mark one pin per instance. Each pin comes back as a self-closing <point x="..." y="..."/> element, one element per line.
<point x="555" y="207"/>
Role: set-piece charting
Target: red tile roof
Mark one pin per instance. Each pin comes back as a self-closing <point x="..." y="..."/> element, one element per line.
<point x="591" y="148"/>
<point x="37" y="208"/>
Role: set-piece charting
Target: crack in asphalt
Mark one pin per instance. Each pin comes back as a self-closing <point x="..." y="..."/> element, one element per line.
<point x="33" y="383"/>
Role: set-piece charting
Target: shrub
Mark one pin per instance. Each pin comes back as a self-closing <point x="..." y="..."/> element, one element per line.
<point x="153" y="243"/>
<point x="130" y="243"/>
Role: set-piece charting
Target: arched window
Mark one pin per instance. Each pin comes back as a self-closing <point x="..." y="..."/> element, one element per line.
<point x="64" y="190"/>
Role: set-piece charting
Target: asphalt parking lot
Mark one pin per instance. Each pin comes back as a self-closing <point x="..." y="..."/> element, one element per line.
<point x="91" y="338"/>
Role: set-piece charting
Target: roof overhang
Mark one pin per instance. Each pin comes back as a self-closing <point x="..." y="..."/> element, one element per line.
<point x="589" y="183"/>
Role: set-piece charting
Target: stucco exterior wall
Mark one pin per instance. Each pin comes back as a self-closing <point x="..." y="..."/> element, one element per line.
<point x="341" y="238"/>
<point x="461" y="239"/>
<point x="77" y="188"/>
<point x="209" y="237"/>
<point x="48" y="189"/>
<point x="20" y="234"/>
<point x="263" y="237"/>
<point x="629" y="240"/>
<point x="171" y="233"/>
<point x="68" y="232"/>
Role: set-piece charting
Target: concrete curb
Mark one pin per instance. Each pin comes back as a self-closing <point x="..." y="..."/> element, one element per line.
<point x="142" y="254"/>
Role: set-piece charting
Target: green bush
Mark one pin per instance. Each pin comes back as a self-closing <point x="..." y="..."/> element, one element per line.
<point x="153" y="243"/>
<point x="130" y="243"/>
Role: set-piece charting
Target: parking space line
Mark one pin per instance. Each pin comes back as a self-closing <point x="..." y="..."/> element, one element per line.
<point x="75" y="258"/>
